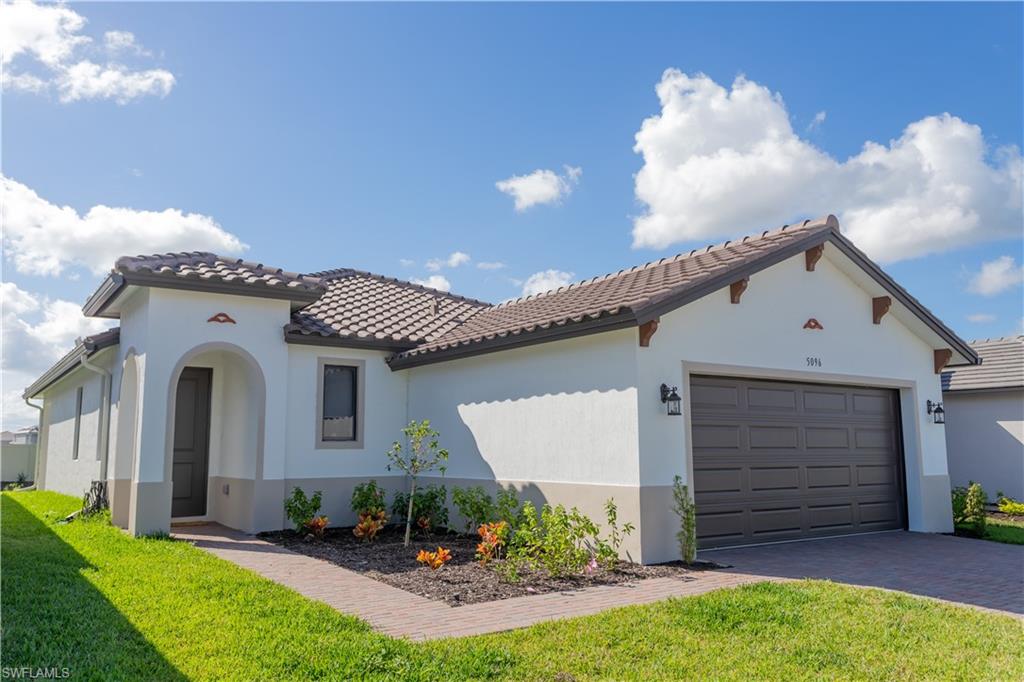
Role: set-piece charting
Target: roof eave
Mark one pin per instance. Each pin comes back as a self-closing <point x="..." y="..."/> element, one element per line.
<point x="97" y="304"/>
<point x="69" y="362"/>
<point x="347" y="342"/>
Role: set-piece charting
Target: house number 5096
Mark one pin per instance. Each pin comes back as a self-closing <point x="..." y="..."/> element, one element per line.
<point x="813" y="362"/>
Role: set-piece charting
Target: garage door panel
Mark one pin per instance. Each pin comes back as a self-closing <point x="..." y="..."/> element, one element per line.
<point x="788" y="460"/>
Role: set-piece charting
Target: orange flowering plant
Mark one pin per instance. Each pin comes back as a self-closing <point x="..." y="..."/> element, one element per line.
<point x="492" y="540"/>
<point x="434" y="559"/>
<point x="316" y="526"/>
<point x="370" y="523"/>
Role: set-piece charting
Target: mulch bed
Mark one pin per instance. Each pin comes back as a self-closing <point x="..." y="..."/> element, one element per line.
<point x="462" y="580"/>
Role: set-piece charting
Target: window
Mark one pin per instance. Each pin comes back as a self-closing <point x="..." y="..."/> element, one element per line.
<point x="78" y="422"/>
<point x="340" y="403"/>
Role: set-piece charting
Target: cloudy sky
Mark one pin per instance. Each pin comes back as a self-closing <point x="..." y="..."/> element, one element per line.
<point x="501" y="150"/>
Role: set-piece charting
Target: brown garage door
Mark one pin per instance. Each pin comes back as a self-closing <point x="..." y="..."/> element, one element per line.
<point x="780" y="461"/>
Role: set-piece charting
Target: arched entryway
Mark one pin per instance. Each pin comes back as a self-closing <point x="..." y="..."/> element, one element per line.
<point x="216" y="414"/>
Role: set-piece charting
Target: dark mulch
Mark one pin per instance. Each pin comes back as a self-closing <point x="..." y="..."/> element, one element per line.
<point x="462" y="580"/>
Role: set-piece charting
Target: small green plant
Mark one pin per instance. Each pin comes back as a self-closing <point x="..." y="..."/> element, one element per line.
<point x="429" y="508"/>
<point x="687" y="511"/>
<point x="507" y="507"/>
<point x="300" y="509"/>
<point x="11" y="486"/>
<point x="421" y="453"/>
<point x="558" y="541"/>
<point x="316" y="526"/>
<point x="608" y="553"/>
<point x="969" y="509"/>
<point x="474" y="505"/>
<point x="368" y="498"/>
<point x="1008" y="505"/>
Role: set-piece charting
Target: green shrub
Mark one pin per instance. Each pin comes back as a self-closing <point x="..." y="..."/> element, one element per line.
<point x="1010" y="506"/>
<point x="561" y="542"/>
<point x="301" y="510"/>
<point x="969" y="509"/>
<point x="475" y="506"/>
<point x="507" y="507"/>
<point x="429" y="508"/>
<point x="368" y="498"/>
<point x="608" y="553"/>
<point x="687" y="511"/>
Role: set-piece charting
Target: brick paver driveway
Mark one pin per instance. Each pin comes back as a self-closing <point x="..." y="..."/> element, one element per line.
<point x="979" y="573"/>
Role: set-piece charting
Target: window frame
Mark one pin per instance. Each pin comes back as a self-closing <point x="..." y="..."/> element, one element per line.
<point x="360" y="368"/>
<point x="76" y="443"/>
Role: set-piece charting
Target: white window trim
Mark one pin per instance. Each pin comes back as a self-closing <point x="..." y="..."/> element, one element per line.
<point x="356" y="444"/>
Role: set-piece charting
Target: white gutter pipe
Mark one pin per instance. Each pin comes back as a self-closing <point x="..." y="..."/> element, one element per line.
<point x="39" y="439"/>
<point x="105" y="388"/>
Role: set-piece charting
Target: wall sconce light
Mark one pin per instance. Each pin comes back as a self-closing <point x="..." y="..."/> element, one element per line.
<point x="673" y="403"/>
<point x="938" y="414"/>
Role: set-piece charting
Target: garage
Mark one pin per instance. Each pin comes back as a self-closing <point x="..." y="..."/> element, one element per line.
<point x="776" y="460"/>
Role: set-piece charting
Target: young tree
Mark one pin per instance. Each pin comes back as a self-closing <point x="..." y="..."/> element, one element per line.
<point x="421" y="454"/>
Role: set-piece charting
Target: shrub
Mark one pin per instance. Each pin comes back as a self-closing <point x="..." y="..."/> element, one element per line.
<point x="969" y="509"/>
<point x="1010" y="506"/>
<point x="420" y="454"/>
<point x="368" y="498"/>
<point x="428" y="508"/>
<point x="370" y="524"/>
<point x="608" y="553"/>
<point x="301" y="510"/>
<point x="560" y="542"/>
<point x="316" y="526"/>
<point x="492" y="539"/>
<point x="475" y="505"/>
<point x="435" y="559"/>
<point x="687" y="511"/>
<point x="507" y="507"/>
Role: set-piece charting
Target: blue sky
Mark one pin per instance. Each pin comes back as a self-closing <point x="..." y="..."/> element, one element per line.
<point x="333" y="135"/>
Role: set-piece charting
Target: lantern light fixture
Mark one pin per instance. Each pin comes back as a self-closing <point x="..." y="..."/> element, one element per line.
<point x="938" y="414"/>
<point x="673" y="403"/>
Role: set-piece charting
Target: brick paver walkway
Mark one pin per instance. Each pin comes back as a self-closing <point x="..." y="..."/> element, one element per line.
<point x="973" y="572"/>
<point x="979" y="573"/>
<point x="401" y="614"/>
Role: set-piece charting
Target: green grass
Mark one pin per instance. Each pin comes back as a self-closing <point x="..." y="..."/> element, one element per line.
<point x="1001" y="529"/>
<point x="86" y="596"/>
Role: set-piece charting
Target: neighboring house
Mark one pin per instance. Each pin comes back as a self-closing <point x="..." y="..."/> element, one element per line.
<point x="984" y="410"/>
<point x="803" y="372"/>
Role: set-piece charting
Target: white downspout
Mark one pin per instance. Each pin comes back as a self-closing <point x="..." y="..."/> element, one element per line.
<point x="104" y="440"/>
<point x="39" y="443"/>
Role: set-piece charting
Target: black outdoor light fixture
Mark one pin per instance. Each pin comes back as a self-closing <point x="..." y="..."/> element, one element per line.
<point x="938" y="414"/>
<point x="673" y="403"/>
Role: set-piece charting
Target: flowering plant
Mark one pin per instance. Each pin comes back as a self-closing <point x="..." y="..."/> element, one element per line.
<point x="316" y="526"/>
<point x="435" y="559"/>
<point x="370" y="523"/>
<point x="492" y="540"/>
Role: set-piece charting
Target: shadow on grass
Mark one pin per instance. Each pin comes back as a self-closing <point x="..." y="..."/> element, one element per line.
<point x="54" y="618"/>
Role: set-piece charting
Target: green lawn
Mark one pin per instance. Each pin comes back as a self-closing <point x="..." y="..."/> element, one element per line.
<point x="1001" y="529"/>
<point x="86" y="596"/>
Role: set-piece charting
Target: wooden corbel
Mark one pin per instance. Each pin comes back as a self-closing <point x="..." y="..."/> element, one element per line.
<point x="879" y="307"/>
<point x="736" y="289"/>
<point x="942" y="358"/>
<point x="647" y="330"/>
<point x="813" y="255"/>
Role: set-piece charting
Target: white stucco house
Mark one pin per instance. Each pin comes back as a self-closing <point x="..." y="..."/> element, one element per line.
<point x="984" y="407"/>
<point x="803" y="370"/>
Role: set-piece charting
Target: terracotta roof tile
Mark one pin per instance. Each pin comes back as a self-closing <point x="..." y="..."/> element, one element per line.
<point x="363" y="307"/>
<point x="209" y="267"/>
<point x="1002" y="366"/>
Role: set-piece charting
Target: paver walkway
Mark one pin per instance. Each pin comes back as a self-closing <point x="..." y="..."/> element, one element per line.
<point x="977" y="573"/>
<point x="401" y="614"/>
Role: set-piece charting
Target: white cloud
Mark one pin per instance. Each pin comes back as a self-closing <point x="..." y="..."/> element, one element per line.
<point x="546" y="280"/>
<point x="37" y="331"/>
<point x="490" y="265"/>
<point x="979" y="318"/>
<point x="454" y="260"/>
<point x="439" y="282"/>
<point x="721" y="162"/>
<point x="996" y="276"/>
<point x="406" y="262"/>
<point x="540" y="186"/>
<point x="49" y="36"/>
<point x="41" y="238"/>
<point x="816" y="122"/>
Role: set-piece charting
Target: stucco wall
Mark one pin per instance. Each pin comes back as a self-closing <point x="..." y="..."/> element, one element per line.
<point x="985" y="439"/>
<point x="763" y="336"/>
<point x="17" y="459"/>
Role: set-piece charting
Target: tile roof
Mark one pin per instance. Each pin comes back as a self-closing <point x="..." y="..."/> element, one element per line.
<point x="209" y="267"/>
<point x="1002" y="367"/>
<point x="86" y="347"/>
<point x="624" y="294"/>
<point x="367" y="309"/>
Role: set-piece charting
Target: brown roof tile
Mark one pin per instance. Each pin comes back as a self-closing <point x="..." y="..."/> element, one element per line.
<point x="625" y="293"/>
<point x="365" y="308"/>
<point x="1002" y="366"/>
<point x="209" y="267"/>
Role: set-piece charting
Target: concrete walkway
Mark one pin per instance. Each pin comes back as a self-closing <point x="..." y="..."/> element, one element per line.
<point x="402" y="614"/>
<point x="976" y="573"/>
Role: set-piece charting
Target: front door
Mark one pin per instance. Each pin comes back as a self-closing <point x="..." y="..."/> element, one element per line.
<point x="191" y="442"/>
